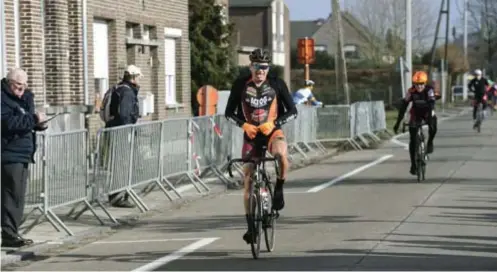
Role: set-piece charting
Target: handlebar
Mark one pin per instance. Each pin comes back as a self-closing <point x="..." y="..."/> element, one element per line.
<point x="254" y="161"/>
<point x="417" y="125"/>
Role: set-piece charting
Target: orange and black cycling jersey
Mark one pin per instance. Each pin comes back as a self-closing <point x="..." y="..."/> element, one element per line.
<point x="271" y="101"/>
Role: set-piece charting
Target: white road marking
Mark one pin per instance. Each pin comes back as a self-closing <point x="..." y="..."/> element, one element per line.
<point x="349" y="174"/>
<point x="147" y="241"/>
<point x="176" y="255"/>
<point x="286" y="193"/>
<point x="397" y="142"/>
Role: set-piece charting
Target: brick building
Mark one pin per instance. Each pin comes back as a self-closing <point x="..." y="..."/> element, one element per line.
<point x="47" y="41"/>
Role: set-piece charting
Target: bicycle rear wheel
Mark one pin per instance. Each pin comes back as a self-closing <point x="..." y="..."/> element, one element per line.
<point x="270" y="221"/>
<point x="256" y="211"/>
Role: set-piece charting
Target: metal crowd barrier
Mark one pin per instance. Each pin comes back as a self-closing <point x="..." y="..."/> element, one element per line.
<point x="166" y="154"/>
<point x="358" y="124"/>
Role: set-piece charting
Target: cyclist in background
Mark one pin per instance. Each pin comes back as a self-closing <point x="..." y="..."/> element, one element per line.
<point x="304" y="95"/>
<point x="260" y="105"/>
<point x="492" y="93"/>
<point x="479" y="86"/>
<point x="423" y="99"/>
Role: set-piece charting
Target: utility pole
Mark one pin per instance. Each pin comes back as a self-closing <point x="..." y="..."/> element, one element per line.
<point x="465" y="48"/>
<point x="447" y="24"/>
<point x="408" y="45"/>
<point x="465" y="27"/>
<point x="340" y="55"/>
<point x="437" y="29"/>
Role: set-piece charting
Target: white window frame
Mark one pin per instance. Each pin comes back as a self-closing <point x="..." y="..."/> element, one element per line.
<point x="350" y="48"/>
<point x="3" y="50"/>
<point x="282" y="27"/>
<point x="320" y="48"/>
<point x="146" y="32"/>
<point x="101" y="54"/>
<point x="274" y="26"/>
<point x="171" y="36"/>
<point x="17" y="32"/>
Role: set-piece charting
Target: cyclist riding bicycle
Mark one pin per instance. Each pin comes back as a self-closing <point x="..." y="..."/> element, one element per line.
<point x="492" y="93"/>
<point x="478" y="85"/>
<point x="423" y="99"/>
<point x="260" y="105"/>
<point x="305" y="96"/>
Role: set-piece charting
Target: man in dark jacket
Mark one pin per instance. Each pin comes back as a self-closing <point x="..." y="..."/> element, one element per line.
<point x="124" y="108"/>
<point x="19" y="121"/>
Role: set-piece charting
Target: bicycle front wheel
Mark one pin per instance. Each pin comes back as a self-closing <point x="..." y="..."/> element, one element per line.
<point x="256" y="211"/>
<point x="419" y="159"/>
<point x="270" y="221"/>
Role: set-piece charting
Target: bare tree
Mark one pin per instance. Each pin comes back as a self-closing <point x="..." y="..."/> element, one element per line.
<point x="482" y="33"/>
<point x="385" y="21"/>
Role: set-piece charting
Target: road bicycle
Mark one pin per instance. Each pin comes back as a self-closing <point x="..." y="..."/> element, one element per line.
<point x="480" y="115"/>
<point x="263" y="216"/>
<point x="420" y="156"/>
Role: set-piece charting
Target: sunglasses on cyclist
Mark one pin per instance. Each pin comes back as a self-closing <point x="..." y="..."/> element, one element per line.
<point x="258" y="66"/>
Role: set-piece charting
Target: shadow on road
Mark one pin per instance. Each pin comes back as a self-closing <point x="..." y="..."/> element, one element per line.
<point x="316" y="260"/>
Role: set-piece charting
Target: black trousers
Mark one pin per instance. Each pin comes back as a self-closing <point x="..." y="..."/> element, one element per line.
<point x="14" y="183"/>
<point x="475" y="107"/>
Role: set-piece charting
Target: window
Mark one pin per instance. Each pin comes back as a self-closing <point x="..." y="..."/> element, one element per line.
<point x="274" y="27"/>
<point x="129" y="30"/>
<point x="351" y="51"/>
<point x="282" y="32"/>
<point x="17" y="33"/>
<point x="320" y="48"/>
<point x="3" y="53"/>
<point x="146" y="32"/>
<point x="100" y="56"/>
<point x="224" y="14"/>
<point x="170" y="70"/>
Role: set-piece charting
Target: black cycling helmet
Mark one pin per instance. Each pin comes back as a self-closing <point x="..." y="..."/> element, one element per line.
<point x="260" y="55"/>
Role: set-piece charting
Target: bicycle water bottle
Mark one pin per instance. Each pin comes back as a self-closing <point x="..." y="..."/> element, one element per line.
<point x="265" y="199"/>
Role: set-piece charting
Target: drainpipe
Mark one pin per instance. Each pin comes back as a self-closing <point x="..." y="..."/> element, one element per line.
<point x="85" y="53"/>
<point x="3" y="51"/>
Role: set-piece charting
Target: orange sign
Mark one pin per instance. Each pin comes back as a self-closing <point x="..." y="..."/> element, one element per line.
<point x="207" y="98"/>
<point x="306" y="53"/>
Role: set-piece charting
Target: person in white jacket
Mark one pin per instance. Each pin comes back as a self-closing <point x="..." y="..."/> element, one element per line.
<point x="304" y="95"/>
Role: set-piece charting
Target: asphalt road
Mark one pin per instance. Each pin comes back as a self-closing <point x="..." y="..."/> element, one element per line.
<point x="337" y="218"/>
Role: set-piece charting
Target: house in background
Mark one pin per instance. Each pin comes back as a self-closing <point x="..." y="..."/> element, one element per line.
<point x="262" y="24"/>
<point x="47" y="41"/>
<point x="358" y="41"/>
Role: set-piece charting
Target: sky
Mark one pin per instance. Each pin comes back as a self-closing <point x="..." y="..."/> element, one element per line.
<point x="303" y="10"/>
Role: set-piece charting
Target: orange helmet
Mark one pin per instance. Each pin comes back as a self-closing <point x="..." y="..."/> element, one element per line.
<point x="419" y="77"/>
